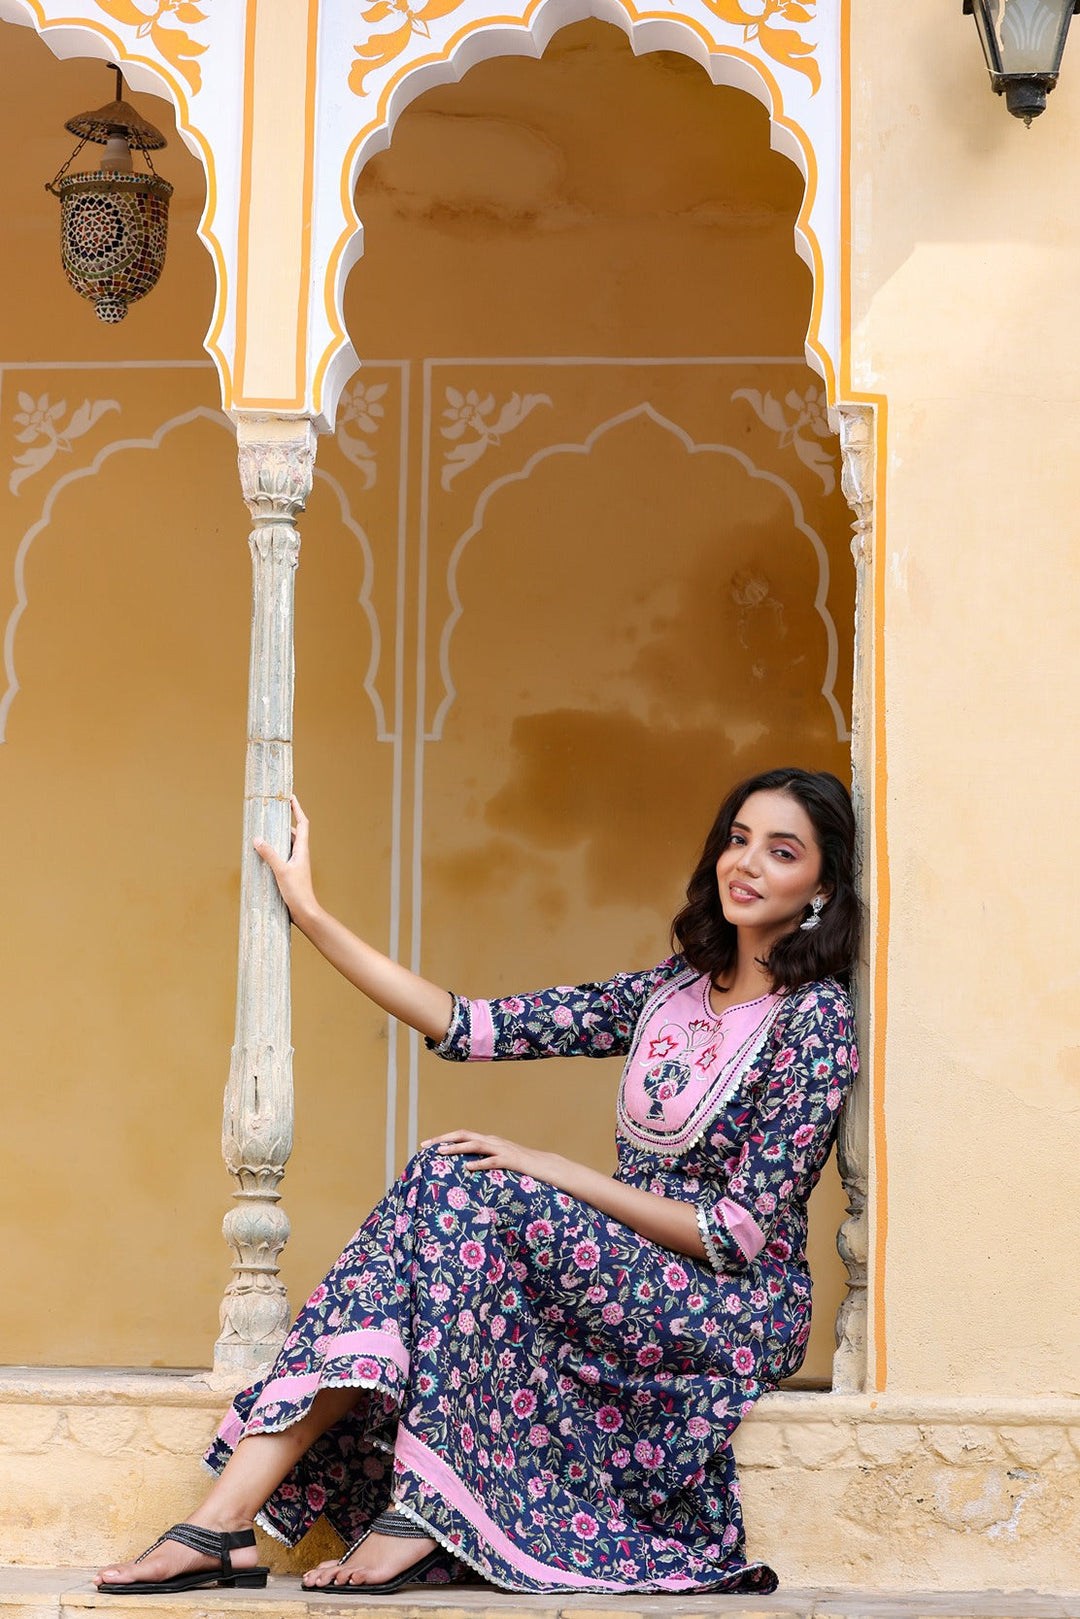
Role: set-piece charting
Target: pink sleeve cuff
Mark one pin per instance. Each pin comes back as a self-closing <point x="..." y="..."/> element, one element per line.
<point x="742" y="1226"/>
<point x="481" y="1032"/>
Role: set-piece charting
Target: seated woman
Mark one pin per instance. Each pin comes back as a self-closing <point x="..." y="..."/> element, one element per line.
<point x="523" y="1367"/>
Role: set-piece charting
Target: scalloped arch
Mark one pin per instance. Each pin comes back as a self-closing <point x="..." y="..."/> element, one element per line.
<point x="93" y="38"/>
<point x="691" y="30"/>
<point x="226" y="67"/>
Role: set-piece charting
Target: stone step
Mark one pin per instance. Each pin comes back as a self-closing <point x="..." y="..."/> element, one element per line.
<point x="66" y="1593"/>
<point x="842" y="1492"/>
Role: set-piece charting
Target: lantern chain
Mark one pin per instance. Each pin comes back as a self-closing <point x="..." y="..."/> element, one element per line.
<point x="50" y="185"/>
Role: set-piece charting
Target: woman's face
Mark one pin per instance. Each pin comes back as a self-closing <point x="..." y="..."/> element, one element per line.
<point x="771" y="868"/>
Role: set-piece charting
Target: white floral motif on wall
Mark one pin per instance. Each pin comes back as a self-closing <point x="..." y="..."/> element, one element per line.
<point x="41" y="425"/>
<point x="466" y="412"/>
<point x="361" y="404"/>
<point x="806" y="424"/>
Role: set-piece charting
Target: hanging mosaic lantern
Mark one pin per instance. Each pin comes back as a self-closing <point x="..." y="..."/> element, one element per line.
<point x="113" y="222"/>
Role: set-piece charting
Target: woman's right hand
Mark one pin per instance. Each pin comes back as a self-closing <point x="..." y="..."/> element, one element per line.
<point x="397" y="990"/>
<point x="293" y="876"/>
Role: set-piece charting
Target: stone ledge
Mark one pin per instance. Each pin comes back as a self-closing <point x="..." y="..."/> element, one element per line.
<point x="111" y="1385"/>
<point x="56" y="1593"/>
<point x="199" y="1389"/>
<point x="841" y="1491"/>
<point x="110" y="1410"/>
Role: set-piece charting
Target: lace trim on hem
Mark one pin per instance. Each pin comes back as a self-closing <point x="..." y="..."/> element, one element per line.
<point x="708" y="1242"/>
<point x="279" y="1427"/>
<point x="330" y="1383"/>
<point x="601" y="1588"/>
<point x="268" y="1529"/>
<point x="447" y="1545"/>
<point x="458" y="1018"/>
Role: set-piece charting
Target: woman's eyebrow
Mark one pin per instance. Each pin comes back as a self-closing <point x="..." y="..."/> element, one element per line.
<point x="790" y="837"/>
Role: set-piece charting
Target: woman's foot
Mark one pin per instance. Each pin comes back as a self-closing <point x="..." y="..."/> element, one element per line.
<point x="170" y="1558"/>
<point x="376" y="1559"/>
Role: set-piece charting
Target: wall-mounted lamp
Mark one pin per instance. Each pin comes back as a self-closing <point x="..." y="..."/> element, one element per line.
<point x="113" y="222"/>
<point x="1022" y="41"/>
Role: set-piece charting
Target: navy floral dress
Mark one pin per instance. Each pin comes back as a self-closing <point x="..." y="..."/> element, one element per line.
<point x="550" y="1394"/>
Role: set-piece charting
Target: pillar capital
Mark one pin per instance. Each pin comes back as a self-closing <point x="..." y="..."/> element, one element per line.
<point x="276" y="456"/>
<point x="858" y="447"/>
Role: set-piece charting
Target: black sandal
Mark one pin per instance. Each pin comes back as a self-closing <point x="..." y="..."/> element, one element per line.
<point x="401" y="1528"/>
<point x="210" y="1543"/>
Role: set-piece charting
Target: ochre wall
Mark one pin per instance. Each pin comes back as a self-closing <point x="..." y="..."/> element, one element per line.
<point x="512" y="799"/>
<point x="963" y="317"/>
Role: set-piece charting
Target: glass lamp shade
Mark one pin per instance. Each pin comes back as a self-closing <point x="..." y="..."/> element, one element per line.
<point x="112" y="236"/>
<point x="113" y="222"/>
<point x="1023" y="41"/>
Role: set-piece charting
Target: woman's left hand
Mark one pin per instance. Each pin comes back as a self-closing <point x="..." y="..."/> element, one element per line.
<point x="663" y="1220"/>
<point x="493" y="1152"/>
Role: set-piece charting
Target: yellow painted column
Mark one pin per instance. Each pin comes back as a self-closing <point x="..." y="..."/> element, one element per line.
<point x="274" y="224"/>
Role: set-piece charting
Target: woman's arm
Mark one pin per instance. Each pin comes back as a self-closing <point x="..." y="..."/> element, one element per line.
<point x="398" y="991"/>
<point x="572" y="1020"/>
<point x="663" y="1220"/>
<point x="790" y="1131"/>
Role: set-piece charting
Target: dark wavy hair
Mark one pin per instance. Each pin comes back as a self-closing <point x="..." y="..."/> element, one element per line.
<point x="709" y="941"/>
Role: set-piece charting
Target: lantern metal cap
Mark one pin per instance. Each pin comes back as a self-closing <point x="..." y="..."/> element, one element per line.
<point x="1023" y="42"/>
<point x="116" y="118"/>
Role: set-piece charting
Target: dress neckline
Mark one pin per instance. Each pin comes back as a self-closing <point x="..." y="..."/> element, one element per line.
<point x="740" y="1006"/>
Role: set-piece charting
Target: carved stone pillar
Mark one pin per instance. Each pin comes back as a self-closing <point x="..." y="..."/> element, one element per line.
<point x="857" y="447"/>
<point x="277" y="459"/>
<point x="858" y="444"/>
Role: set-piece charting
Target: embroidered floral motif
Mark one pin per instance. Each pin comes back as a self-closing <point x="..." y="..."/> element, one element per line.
<point x="662" y="1083"/>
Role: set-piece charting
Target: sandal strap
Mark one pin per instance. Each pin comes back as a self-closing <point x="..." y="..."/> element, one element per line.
<point x="207" y="1542"/>
<point x="398" y="1526"/>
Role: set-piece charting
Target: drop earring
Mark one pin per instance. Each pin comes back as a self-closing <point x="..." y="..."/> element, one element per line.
<point x="817" y="905"/>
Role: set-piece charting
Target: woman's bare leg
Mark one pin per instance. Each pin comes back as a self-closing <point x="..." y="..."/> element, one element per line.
<point x="252" y="1474"/>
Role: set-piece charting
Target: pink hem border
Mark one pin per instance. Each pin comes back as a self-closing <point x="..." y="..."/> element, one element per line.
<point x="418" y="1458"/>
<point x="297" y="1385"/>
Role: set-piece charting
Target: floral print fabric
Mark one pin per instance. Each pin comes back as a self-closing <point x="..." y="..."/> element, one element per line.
<point x="550" y="1394"/>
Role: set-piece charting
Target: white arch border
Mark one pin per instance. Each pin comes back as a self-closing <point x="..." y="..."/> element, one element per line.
<point x="154" y="441"/>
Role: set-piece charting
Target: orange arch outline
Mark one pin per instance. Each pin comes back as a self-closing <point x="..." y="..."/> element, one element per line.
<point x="522" y="22"/>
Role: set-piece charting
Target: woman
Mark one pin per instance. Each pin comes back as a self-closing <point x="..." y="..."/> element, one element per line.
<point x="524" y="1367"/>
